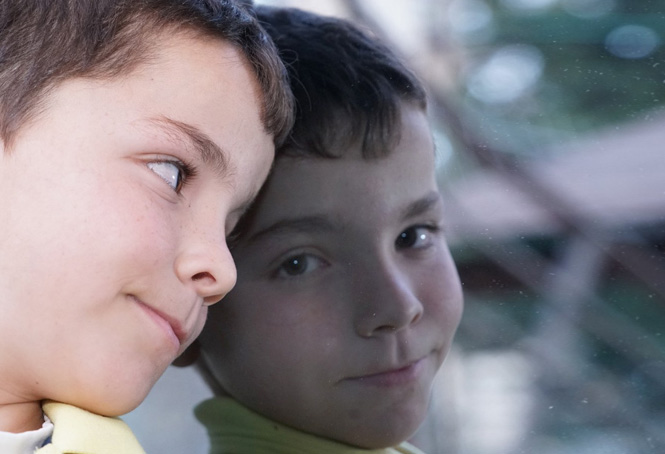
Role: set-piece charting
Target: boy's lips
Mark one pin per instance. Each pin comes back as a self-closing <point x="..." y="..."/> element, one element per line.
<point x="170" y="324"/>
<point x="392" y="376"/>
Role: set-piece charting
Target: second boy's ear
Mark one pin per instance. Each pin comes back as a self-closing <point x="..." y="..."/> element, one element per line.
<point x="189" y="356"/>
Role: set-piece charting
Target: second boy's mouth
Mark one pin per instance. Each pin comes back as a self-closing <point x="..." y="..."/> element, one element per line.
<point x="394" y="376"/>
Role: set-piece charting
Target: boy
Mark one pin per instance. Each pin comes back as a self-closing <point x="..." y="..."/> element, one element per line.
<point x="133" y="134"/>
<point x="347" y="297"/>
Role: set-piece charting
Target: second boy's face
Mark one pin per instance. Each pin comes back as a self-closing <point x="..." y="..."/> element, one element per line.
<point x="115" y="205"/>
<point x="347" y="298"/>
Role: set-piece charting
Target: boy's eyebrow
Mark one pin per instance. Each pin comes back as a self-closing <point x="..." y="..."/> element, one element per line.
<point x="303" y="224"/>
<point x="422" y="205"/>
<point x="193" y="137"/>
<point x="321" y="223"/>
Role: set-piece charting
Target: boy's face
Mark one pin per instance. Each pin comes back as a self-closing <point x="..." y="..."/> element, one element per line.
<point x="347" y="297"/>
<point x="115" y="203"/>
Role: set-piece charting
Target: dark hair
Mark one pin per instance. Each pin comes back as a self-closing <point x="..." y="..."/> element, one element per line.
<point x="348" y="85"/>
<point x="44" y="42"/>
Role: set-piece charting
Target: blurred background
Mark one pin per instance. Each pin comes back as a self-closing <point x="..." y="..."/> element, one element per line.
<point x="549" y="119"/>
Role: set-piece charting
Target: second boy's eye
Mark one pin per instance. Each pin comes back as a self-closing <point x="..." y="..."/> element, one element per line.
<point x="414" y="237"/>
<point x="298" y="265"/>
<point x="171" y="172"/>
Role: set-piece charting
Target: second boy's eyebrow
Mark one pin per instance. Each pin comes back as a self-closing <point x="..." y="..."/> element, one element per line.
<point x="193" y="137"/>
<point x="306" y="224"/>
<point x="320" y="223"/>
<point x="421" y="205"/>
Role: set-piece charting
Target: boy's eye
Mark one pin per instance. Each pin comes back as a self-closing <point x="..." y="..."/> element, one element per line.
<point x="415" y="237"/>
<point x="298" y="265"/>
<point x="171" y="172"/>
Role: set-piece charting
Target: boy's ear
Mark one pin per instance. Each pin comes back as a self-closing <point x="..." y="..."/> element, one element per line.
<point x="189" y="356"/>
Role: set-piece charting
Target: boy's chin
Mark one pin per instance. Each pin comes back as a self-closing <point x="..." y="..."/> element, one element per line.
<point x="385" y="437"/>
<point x="384" y="431"/>
<point x="110" y="409"/>
<point x="109" y="401"/>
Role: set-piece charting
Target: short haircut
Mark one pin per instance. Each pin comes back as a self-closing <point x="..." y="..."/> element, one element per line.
<point x="45" y="42"/>
<point x="349" y="87"/>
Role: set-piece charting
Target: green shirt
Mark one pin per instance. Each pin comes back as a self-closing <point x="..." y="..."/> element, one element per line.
<point x="234" y="429"/>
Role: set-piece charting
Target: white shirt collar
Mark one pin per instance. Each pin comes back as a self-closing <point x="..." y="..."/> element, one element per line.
<point x="25" y="442"/>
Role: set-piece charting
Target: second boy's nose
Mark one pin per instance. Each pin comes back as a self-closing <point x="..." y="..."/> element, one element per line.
<point x="386" y="301"/>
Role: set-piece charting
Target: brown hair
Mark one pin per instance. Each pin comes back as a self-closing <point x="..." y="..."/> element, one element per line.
<point x="349" y="86"/>
<point x="44" y="42"/>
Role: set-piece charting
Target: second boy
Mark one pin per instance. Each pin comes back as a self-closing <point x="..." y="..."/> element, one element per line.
<point x="347" y="297"/>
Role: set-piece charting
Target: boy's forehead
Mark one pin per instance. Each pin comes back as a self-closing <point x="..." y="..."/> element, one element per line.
<point x="186" y="97"/>
<point x="318" y="194"/>
<point x="303" y="183"/>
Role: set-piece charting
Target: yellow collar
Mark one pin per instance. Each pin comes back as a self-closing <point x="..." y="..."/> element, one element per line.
<point x="78" y="431"/>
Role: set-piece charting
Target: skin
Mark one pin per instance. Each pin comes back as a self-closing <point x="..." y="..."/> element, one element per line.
<point x="347" y="296"/>
<point x="110" y="252"/>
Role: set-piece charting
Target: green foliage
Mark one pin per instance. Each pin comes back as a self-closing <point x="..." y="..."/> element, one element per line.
<point x="594" y="72"/>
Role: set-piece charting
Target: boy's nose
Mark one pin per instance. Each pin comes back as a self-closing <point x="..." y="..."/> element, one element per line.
<point x="208" y="267"/>
<point x="387" y="301"/>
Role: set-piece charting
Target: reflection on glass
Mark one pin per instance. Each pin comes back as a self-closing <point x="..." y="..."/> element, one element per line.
<point x="550" y="118"/>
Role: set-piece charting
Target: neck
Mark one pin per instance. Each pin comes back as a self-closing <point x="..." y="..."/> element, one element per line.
<point x="20" y="417"/>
